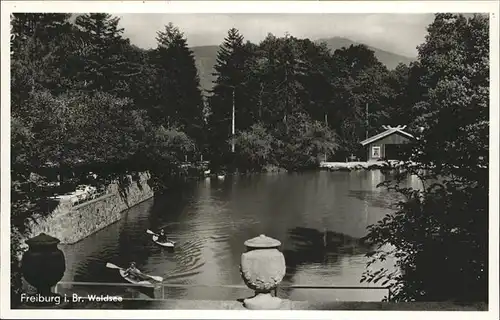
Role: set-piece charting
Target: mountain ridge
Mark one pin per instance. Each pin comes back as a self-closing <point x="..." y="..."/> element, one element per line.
<point x="206" y="57"/>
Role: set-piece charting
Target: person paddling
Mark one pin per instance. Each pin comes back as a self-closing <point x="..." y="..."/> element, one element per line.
<point x="162" y="237"/>
<point x="133" y="271"/>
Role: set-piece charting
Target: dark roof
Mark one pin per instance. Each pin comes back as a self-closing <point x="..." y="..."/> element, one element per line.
<point x="387" y="132"/>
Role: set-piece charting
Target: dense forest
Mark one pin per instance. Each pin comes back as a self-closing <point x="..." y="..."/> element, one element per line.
<point x="84" y="99"/>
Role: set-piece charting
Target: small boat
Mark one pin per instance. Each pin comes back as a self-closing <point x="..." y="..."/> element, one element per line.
<point x="167" y="244"/>
<point x="150" y="283"/>
<point x="143" y="283"/>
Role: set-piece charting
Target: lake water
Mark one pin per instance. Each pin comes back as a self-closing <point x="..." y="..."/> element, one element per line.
<point x="318" y="217"/>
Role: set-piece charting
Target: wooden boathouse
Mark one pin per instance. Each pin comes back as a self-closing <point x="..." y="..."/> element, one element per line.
<point x="388" y="144"/>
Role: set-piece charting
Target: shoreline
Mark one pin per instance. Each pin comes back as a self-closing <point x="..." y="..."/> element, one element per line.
<point x="359" y="165"/>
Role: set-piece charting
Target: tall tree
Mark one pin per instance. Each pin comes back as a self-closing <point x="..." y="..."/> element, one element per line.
<point x="103" y="65"/>
<point x="180" y="102"/>
<point x="230" y="91"/>
<point x="399" y="107"/>
<point x="284" y="68"/>
<point x="360" y="93"/>
<point x="319" y="96"/>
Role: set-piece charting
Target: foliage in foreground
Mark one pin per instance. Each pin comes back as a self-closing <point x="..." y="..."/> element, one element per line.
<point x="83" y="101"/>
<point x="439" y="235"/>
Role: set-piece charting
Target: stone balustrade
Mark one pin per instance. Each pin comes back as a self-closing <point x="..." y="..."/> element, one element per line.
<point x="262" y="269"/>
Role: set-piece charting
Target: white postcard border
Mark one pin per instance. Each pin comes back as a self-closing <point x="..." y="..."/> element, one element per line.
<point x="115" y="7"/>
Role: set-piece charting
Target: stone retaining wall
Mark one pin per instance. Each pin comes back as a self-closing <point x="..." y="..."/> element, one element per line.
<point x="71" y="224"/>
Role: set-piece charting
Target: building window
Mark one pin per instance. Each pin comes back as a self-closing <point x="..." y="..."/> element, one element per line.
<point x="376" y="152"/>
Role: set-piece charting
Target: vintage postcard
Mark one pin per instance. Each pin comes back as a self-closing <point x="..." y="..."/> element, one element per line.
<point x="236" y="160"/>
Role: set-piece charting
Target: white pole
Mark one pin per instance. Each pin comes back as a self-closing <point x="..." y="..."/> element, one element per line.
<point x="232" y="126"/>
<point x="367" y="120"/>
<point x="326" y="124"/>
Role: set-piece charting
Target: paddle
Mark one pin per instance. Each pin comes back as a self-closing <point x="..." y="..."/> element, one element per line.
<point x="155" y="278"/>
<point x="156" y="234"/>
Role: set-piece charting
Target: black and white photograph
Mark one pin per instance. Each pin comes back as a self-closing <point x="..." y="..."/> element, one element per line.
<point x="240" y="160"/>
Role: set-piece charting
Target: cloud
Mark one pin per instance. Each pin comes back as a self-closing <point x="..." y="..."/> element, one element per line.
<point x="399" y="33"/>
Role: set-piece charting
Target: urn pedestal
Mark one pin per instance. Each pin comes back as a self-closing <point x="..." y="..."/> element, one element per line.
<point x="43" y="266"/>
<point x="262" y="268"/>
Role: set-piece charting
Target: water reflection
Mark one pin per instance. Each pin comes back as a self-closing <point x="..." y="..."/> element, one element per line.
<point x="318" y="216"/>
<point x="310" y="246"/>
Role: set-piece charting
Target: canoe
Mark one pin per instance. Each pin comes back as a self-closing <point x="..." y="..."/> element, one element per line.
<point x="144" y="283"/>
<point x="168" y="244"/>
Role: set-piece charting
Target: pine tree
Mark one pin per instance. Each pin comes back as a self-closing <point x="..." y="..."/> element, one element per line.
<point x="103" y="65"/>
<point x="230" y="60"/>
<point x="180" y="102"/>
<point x="289" y="69"/>
<point x="231" y="89"/>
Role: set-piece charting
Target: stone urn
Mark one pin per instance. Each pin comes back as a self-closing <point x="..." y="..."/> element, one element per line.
<point x="262" y="268"/>
<point x="43" y="265"/>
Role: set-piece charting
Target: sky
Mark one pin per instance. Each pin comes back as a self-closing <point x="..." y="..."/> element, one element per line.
<point x="398" y="33"/>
